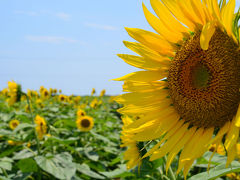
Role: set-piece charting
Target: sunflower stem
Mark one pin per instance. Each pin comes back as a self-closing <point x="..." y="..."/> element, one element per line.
<point x="4" y="172"/>
<point x="38" y="144"/>
<point x="30" y="110"/>
<point x="171" y="174"/>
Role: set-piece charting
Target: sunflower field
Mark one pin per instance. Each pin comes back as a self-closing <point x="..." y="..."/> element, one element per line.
<point x="48" y="135"/>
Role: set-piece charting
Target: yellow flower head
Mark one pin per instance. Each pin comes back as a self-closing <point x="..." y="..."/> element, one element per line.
<point x="14" y="143"/>
<point x="85" y="123"/>
<point x="41" y="89"/>
<point x="62" y="98"/>
<point x="39" y="103"/>
<point x="93" y="91"/>
<point x="189" y="85"/>
<point x="55" y="91"/>
<point x="14" y="92"/>
<point x="13" y="124"/>
<point x="81" y="113"/>
<point x="27" y="108"/>
<point x="5" y="92"/>
<point x="94" y="103"/>
<point x="77" y="99"/>
<point x="132" y="154"/>
<point x="45" y="94"/>
<point x="12" y="86"/>
<point x="103" y="92"/>
<point x="41" y="126"/>
<point x="11" y="142"/>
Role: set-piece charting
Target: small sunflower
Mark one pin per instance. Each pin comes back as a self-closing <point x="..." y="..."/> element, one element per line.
<point x="77" y="99"/>
<point x="85" y="123"/>
<point x="14" y="92"/>
<point x="188" y="90"/>
<point x="94" y="103"/>
<point x="41" y="126"/>
<point x="81" y="113"/>
<point x="102" y="93"/>
<point x="54" y="91"/>
<point x="45" y="94"/>
<point x="13" y="124"/>
<point x="132" y="154"/>
<point x="93" y="91"/>
<point x="62" y="98"/>
<point x="39" y="103"/>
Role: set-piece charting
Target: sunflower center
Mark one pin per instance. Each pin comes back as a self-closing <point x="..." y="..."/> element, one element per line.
<point x="200" y="76"/>
<point x="85" y="123"/>
<point x="204" y="84"/>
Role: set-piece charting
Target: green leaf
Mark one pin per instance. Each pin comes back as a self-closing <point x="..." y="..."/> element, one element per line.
<point x="25" y="153"/>
<point x="84" y="168"/>
<point x="5" y="117"/>
<point x="60" y="166"/>
<point x="119" y="172"/>
<point x="23" y="126"/>
<point x="218" y="171"/>
<point x="6" y="163"/>
<point x="91" y="154"/>
<point x="27" y="165"/>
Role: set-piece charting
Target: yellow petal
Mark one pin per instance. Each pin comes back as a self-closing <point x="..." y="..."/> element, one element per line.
<point x="221" y="132"/>
<point x="170" y="133"/>
<point x="206" y="35"/>
<point x="136" y="86"/>
<point x="187" y="167"/>
<point x="133" y="110"/>
<point x="231" y="153"/>
<point x="232" y="135"/>
<point x="148" y="117"/>
<point x="158" y="129"/>
<point x="227" y="15"/>
<point x="188" y="12"/>
<point x="152" y="40"/>
<point x="159" y="27"/>
<point x="179" y="146"/>
<point x="168" y="20"/>
<point x="171" y="142"/>
<point x="143" y="63"/>
<point x="176" y="11"/>
<point x="146" y="97"/>
<point x="188" y="148"/>
<point x="238" y="117"/>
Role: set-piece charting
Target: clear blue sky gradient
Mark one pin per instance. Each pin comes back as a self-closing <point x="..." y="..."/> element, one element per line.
<point x="69" y="45"/>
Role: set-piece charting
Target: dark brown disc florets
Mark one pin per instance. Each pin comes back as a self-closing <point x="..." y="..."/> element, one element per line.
<point x="204" y="84"/>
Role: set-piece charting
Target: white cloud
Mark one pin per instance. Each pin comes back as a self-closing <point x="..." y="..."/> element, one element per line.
<point x="63" y="16"/>
<point x="50" y="39"/>
<point x="99" y="26"/>
<point x="28" y="13"/>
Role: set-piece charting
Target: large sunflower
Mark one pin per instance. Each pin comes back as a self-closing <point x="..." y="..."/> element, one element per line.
<point x="188" y="95"/>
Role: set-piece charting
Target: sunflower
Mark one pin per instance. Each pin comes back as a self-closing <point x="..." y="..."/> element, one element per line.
<point x="41" y="127"/>
<point x="62" y="98"/>
<point x="188" y="90"/>
<point x="102" y="93"/>
<point x="132" y="154"/>
<point x="81" y="113"/>
<point x="77" y="99"/>
<point x="39" y="103"/>
<point x="85" y="123"/>
<point x="45" y="94"/>
<point x="93" y="91"/>
<point x="94" y="103"/>
<point x="13" y="124"/>
<point x="14" y="92"/>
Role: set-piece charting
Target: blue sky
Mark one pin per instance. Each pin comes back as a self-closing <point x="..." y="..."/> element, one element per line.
<point x="69" y="45"/>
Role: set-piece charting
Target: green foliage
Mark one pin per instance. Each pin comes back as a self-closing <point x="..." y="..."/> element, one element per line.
<point x="67" y="153"/>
